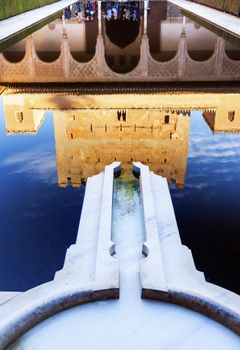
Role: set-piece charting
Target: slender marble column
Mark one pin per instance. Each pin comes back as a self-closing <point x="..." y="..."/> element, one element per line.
<point x="65" y="50"/>
<point x="30" y="49"/>
<point x="183" y="24"/>
<point x="99" y="18"/>
<point x="145" y="18"/>
<point x="64" y="24"/>
<point x="220" y="48"/>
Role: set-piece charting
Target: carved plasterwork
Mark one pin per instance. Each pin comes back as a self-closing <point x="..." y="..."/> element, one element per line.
<point x="67" y="69"/>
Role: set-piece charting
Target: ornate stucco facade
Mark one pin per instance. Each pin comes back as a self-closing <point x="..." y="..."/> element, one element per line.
<point x="66" y="68"/>
<point x="87" y="140"/>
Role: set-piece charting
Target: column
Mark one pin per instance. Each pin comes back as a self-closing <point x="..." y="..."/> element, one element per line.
<point x="145" y="18"/>
<point x="182" y="50"/>
<point x="64" y="24"/>
<point x="183" y="24"/>
<point x="99" y="18"/>
<point x="220" y="48"/>
<point x="100" y="49"/>
<point x="30" y="50"/>
<point x="65" y="50"/>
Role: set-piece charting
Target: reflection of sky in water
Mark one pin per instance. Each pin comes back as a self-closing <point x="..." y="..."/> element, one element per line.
<point x="208" y="207"/>
<point x="38" y="219"/>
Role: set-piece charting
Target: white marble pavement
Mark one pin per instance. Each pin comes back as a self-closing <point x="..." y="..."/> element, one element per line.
<point x="177" y="280"/>
<point x="16" y="24"/>
<point x="91" y="273"/>
<point x="224" y="21"/>
<point x="129" y="322"/>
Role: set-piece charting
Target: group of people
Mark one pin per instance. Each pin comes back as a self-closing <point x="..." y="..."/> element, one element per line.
<point x="82" y="9"/>
<point x="122" y="10"/>
<point x="111" y="10"/>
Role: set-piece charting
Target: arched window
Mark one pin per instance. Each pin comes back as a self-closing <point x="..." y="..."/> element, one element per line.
<point x="166" y="119"/>
<point x="19" y="116"/>
<point x="231" y="116"/>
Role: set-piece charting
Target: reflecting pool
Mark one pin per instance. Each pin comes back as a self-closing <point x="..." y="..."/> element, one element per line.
<point x="38" y="219"/>
<point x="76" y="96"/>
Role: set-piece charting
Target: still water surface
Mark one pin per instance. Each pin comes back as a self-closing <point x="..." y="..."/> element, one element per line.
<point x="207" y="208"/>
<point x="39" y="219"/>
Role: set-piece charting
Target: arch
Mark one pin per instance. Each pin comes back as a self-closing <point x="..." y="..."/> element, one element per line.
<point x="122" y="18"/>
<point x="231" y="116"/>
<point x="200" y="56"/>
<point x="47" y="42"/>
<point x="15" y="53"/>
<point x="48" y="57"/>
<point x="88" y="32"/>
<point x="167" y="51"/>
<point x="232" y="51"/>
<point x="163" y="41"/>
<point x="19" y="117"/>
<point x="201" y="44"/>
<point x="122" y="59"/>
<point x="129" y="31"/>
<point x="122" y="64"/>
<point x="166" y="119"/>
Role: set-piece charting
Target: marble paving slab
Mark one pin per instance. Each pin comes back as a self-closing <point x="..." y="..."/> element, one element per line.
<point x="224" y="21"/>
<point x="17" y="24"/>
<point x="181" y="282"/>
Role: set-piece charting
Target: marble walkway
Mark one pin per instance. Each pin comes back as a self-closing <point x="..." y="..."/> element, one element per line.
<point x="222" y="20"/>
<point x="17" y="24"/>
<point x="130" y="322"/>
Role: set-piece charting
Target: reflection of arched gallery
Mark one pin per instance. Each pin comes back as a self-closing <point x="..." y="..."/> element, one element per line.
<point x="164" y="28"/>
<point x="122" y="56"/>
<point x="166" y="46"/>
<point x="82" y="38"/>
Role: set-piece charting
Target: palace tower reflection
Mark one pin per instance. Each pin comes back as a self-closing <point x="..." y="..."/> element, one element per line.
<point x="226" y="119"/>
<point x="22" y="120"/>
<point x="92" y="131"/>
<point x="88" y="140"/>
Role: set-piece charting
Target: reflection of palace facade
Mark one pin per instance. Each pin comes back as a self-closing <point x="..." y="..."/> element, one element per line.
<point x="94" y="130"/>
<point x="224" y="119"/>
<point x="87" y="140"/>
<point x="22" y="120"/>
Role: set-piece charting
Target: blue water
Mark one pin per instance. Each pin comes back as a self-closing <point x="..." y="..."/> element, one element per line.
<point x="208" y="207"/>
<point x="38" y="220"/>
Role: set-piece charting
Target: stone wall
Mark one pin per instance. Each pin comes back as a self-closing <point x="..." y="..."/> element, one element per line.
<point x="14" y="7"/>
<point x="230" y="6"/>
<point x="87" y="140"/>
